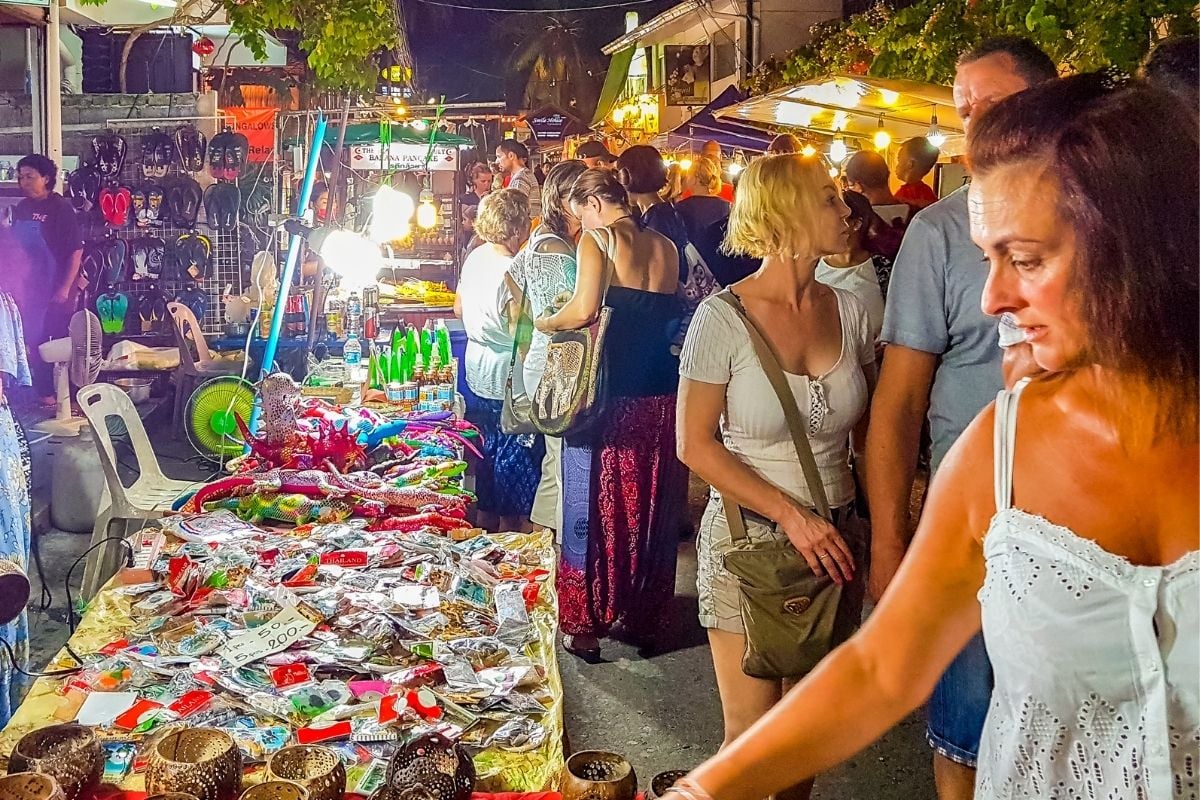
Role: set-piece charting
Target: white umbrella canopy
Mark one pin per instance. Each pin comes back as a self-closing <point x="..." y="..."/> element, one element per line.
<point x="854" y="106"/>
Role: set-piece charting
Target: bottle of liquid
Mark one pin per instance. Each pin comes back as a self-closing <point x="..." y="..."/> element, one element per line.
<point x="352" y="351"/>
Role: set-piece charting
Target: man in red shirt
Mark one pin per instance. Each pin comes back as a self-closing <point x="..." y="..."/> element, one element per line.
<point x="913" y="162"/>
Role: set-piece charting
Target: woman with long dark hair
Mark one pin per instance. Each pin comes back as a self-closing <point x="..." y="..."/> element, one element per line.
<point x="1064" y="521"/>
<point x="623" y="487"/>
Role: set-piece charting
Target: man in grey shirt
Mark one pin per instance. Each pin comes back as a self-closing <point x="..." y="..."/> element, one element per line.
<point x="512" y="159"/>
<point x="943" y="358"/>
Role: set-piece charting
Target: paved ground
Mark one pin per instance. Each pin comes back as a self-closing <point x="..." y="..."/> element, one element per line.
<point x="662" y="712"/>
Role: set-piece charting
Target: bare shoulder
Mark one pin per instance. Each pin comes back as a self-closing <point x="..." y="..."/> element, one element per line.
<point x="965" y="481"/>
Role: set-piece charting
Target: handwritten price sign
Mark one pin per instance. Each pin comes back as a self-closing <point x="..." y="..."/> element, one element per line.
<point x="285" y="629"/>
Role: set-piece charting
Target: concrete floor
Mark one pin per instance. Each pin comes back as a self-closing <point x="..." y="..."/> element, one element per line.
<point x="661" y="712"/>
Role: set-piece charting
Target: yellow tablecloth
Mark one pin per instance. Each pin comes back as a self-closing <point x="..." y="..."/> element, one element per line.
<point x="108" y="619"/>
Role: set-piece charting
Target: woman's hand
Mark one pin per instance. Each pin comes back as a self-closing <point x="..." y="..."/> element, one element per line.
<point x="541" y="324"/>
<point x="820" y="543"/>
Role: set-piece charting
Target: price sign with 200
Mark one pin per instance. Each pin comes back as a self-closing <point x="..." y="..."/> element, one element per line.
<point x="281" y="632"/>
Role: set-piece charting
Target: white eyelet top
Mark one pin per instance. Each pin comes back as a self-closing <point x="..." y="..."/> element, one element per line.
<point x="1097" y="661"/>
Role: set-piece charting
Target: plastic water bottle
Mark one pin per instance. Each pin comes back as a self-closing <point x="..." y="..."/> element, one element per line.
<point x="352" y="352"/>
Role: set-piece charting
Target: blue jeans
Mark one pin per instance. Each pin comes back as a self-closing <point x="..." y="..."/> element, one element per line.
<point x="959" y="705"/>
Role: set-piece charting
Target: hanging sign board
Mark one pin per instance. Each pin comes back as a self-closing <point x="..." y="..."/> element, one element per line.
<point x="549" y="127"/>
<point x="403" y="157"/>
<point x="258" y="126"/>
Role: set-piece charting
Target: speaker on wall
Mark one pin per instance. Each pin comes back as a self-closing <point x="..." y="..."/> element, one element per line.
<point x="160" y="63"/>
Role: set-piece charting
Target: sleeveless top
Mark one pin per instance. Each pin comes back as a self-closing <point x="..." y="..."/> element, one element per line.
<point x="1096" y="660"/>
<point x="638" y="357"/>
<point x="542" y="276"/>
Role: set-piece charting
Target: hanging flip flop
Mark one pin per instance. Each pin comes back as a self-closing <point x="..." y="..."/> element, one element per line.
<point x="122" y="204"/>
<point x="114" y="257"/>
<point x="137" y="199"/>
<point x="112" y="308"/>
<point x="216" y="153"/>
<point x="154" y="201"/>
<point x="83" y="185"/>
<point x="139" y="255"/>
<point x="106" y="200"/>
<point x="173" y="266"/>
<point x="237" y="150"/>
<point x="221" y="203"/>
<point x="182" y="200"/>
<point x="152" y="309"/>
<point x="194" y="298"/>
<point x="192" y="145"/>
<point x="109" y="150"/>
<point x="199" y="256"/>
<point x="91" y="264"/>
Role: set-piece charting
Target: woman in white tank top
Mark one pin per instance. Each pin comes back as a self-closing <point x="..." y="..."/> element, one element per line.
<point x="1066" y="524"/>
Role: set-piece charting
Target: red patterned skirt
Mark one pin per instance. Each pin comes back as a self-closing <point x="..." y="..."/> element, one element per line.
<point x="622" y="497"/>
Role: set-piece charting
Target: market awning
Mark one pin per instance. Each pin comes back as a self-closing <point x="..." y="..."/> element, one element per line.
<point x="614" y="84"/>
<point x="854" y="105"/>
<point x="730" y="133"/>
<point x="373" y="132"/>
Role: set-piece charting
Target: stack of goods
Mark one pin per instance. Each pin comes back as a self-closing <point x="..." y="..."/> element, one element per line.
<point x="416" y="371"/>
<point x="434" y="294"/>
<point x="374" y="618"/>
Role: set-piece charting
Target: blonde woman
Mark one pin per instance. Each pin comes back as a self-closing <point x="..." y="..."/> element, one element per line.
<point x="507" y="477"/>
<point x="790" y="214"/>
<point x="704" y="207"/>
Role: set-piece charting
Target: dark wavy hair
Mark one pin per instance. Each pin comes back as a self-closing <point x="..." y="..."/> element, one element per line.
<point x="641" y="169"/>
<point x="42" y="166"/>
<point x="556" y="191"/>
<point x="601" y="184"/>
<point x="1126" y="162"/>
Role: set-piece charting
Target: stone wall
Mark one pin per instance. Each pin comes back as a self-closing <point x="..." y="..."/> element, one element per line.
<point x="85" y="115"/>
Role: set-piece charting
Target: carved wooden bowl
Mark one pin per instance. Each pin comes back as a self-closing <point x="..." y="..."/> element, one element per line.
<point x="30" y="786"/>
<point x="70" y="754"/>
<point x="598" y="775"/>
<point x="200" y="761"/>
<point x="276" y="790"/>
<point x="431" y="767"/>
<point x="663" y="781"/>
<point x="317" y="769"/>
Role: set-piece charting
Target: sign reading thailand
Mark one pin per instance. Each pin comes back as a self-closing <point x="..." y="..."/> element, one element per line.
<point x="401" y="156"/>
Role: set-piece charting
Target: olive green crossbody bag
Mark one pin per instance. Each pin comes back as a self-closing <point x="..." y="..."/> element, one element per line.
<point x="789" y="613"/>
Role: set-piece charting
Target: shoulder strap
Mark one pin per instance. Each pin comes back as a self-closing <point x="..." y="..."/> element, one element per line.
<point x="791" y="412"/>
<point x="1005" y="442"/>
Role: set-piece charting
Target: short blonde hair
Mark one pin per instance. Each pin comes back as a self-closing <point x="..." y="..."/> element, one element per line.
<point x="776" y="198"/>
<point x="502" y="215"/>
<point x="706" y="172"/>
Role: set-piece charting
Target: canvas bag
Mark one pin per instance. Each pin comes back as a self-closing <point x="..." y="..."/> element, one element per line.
<point x="569" y="398"/>
<point x="790" y="614"/>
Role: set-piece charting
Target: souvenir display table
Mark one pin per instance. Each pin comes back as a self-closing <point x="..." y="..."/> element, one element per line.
<point x="328" y="592"/>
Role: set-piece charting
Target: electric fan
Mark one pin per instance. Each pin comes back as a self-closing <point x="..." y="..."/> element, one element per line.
<point x="76" y="360"/>
<point x="210" y="417"/>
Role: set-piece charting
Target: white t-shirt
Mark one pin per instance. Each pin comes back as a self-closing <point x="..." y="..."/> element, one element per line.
<point x="861" y="281"/>
<point x="482" y="294"/>
<point x="718" y="351"/>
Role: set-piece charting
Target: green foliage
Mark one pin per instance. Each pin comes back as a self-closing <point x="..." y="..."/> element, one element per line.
<point x="923" y="41"/>
<point x="340" y="37"/>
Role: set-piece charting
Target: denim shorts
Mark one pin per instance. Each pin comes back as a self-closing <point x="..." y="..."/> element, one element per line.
<point x="959" y="705"/>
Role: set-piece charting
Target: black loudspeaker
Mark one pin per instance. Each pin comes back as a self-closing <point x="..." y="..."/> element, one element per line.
<point x="159" y="63"/>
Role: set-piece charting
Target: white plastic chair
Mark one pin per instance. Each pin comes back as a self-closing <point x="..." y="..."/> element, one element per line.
<point x="150" y="495"/>
<point x="193" y="371"/>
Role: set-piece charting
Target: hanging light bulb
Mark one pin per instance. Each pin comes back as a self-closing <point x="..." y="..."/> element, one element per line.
<point x="427" y="213"/>
<point x="889" y="97"/>
<point x="419" y="125"/>
<point x="935" y="135"/>
<point x="838" y="150"/>
<point x="834" y="172"/>
<point x="391" y="215"/>
<point x="882" y="137"/>
<point x="685" y="164"/>
<point x="808" y="151"/>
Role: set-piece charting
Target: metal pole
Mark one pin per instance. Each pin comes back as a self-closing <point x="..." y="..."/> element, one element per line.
<point x="54" y="141"/>
<point x="335" y="177"/>
<point x="293" y="255"/>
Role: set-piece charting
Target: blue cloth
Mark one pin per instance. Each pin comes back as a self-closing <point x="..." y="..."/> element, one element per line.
<point x="959" y="705"/>
<point x="507" y="477"/>
<point x="933" y="305"/>
<point x="14" y="503"/>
